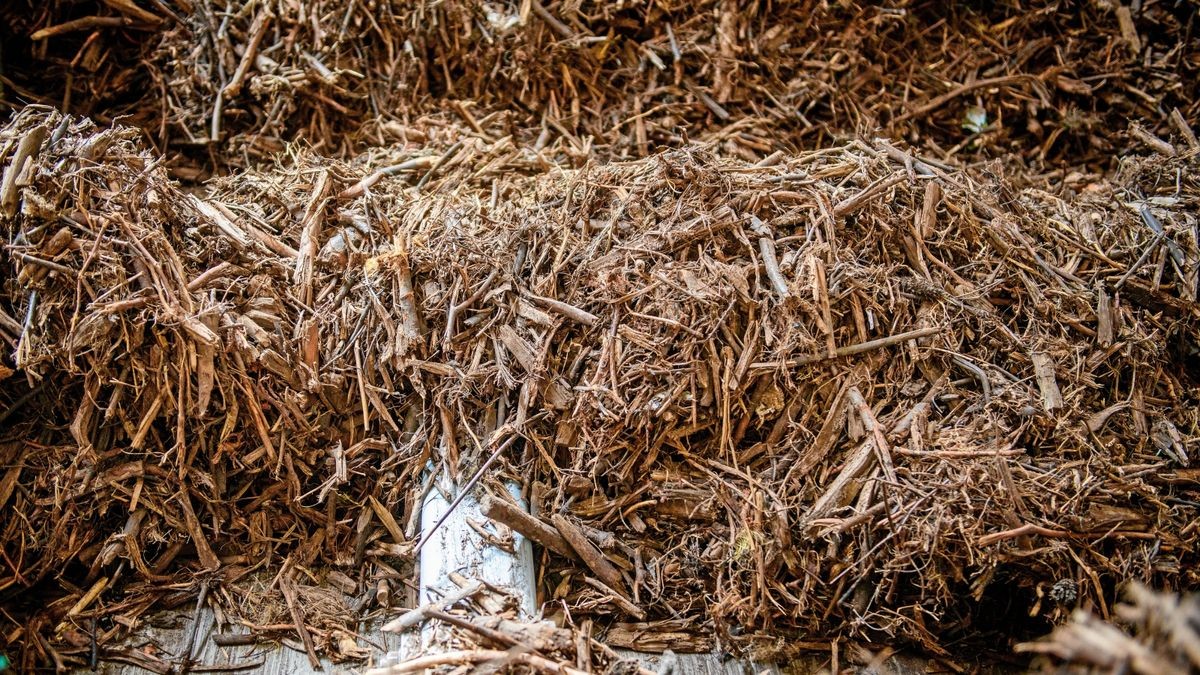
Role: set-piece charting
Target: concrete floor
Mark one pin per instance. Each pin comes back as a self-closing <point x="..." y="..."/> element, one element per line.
<point x="167" y="635"/>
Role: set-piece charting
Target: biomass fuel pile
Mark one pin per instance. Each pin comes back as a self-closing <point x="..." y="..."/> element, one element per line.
<point x="803" y="327"/>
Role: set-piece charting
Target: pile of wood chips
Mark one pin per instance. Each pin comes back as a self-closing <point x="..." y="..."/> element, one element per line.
<point x="802" y="326"/>
<point x="231" y="82"/>
<point x="845" y="393"/>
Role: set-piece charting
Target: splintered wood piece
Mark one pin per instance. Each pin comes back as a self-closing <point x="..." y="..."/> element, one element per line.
<point x="389" y="521"/>
<point x="269" y="241"/>
<point x="223" y="223"/>
<point x="555" y="392"/>
<point x="1129" y="29"/>
<point x="658" y="636"/>
<point x="927" y="216"/>
<point x="528" y="526"/>
<point x="84" y="601"/>
<point x="540" y="636"/>
<point x="873" y="427"/>
<point x="766" y="247"/>
<point x="310" y="233"/>
<point x="617" y="598"/>
<point x="27" y="150"/>
<point x="563" y="309"/>
<point x="41" y="266"/>
<point x="831" y="428"/>
<point x="1181" y="125"/>
<point x="1043" y="372"/>
<point x="1105" y="331"/>
<point x="208" y="559"/>
<point x="588" y="553"/>
<point x="408" y="334"/>
<point x="1159" y="145"/>
<point x="293" y="605"/>
<point x="842" y="489"/>
<point x="852" y="204"/>
<point x="257" y="30"/>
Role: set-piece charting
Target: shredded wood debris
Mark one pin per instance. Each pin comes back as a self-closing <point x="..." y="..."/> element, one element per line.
<point x="235" y="81"/>
<point x="845" y="394"/>
<point x="802" y="327"/>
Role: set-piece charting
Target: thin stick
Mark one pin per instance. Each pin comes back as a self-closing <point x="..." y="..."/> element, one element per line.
<point x="489" y="633"/>
<point x="289" y="596"/>
<point x="310" y="232"/>
<point x="859" y="348"/>
<point x="415" y="616"/>
<point x="257" y="30"/>
<point x="616" y="598"/>
<point x="957" y="454"/>
<point x="670" y="322"/>
<point x="766" y="246"/>
<point x="366" y="183"/>
<point x="1157" y="144"/>
<point x="130" y="9"/>
<point x="959" y="91"/>
<point x="191" y="643"/>
<point x="978" y="373"/>
<point x="82" y="23"/>
<point x="882" y="448"/>
<point x="713" y="107"/>
<point x="852" y="204"/>
<point x="441" y="161"/>
<point x="1184" y="129"/>
<point x="587" y="551"/>
<point x="48" y="264"/>
<point x="452" y="314"/>
<point x="563" y="309"/>
<point x="1140" y="261"/>
<point x="676" y="55"/>
<point x="462" y="657"/>
<point x="20" y="352"/>
<point x="1027" y="528"/>
<point x="559" y="27"/>
<point x="1151" y="221"/>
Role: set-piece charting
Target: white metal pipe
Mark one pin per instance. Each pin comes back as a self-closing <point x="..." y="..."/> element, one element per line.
<point x="457" y="548"/>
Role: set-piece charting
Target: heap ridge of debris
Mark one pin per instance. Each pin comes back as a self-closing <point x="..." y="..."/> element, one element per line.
<point x="846" y="393"/>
